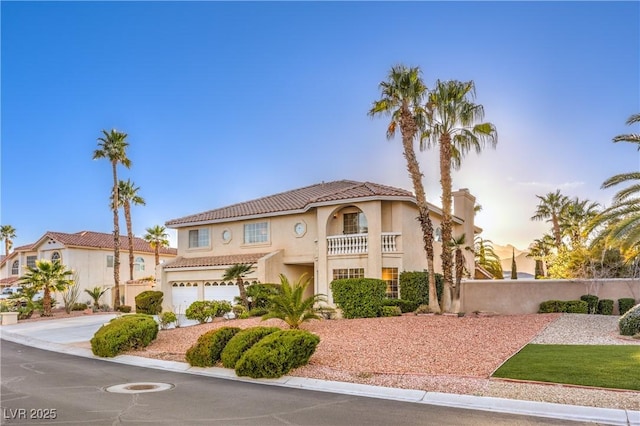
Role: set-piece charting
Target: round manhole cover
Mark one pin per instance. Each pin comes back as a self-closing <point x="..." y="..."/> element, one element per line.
<point x="140" y="387"/>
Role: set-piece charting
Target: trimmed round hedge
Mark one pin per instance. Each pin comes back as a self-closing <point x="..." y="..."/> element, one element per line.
<point x="277" y="354"/>
<point x="241" y="342"/>
<point x="124" y="333"/>
<point x="629" y="323"/>
<point x="206" y="351"/>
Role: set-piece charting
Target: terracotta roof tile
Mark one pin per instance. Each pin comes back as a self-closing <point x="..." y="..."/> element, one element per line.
<point x="296" y="200"/>
<point x="9" y="281"/>
<point x="192" y="262"/>
<point x="102" y="240"/>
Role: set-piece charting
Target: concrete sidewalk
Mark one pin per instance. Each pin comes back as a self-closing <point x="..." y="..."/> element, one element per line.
<point x="66" y="335"/>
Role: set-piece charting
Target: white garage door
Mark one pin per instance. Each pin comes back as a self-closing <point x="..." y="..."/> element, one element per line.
<point x="215" y="291"/>
<point x="183" y="295"/>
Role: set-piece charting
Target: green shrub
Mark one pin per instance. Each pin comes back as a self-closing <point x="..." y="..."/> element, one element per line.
<point x="576" y="307"/>
<point x="201" y="311"/>
<point x="258" y="312"/>
<point x="238" y="310"/>
<point x="414" y="287"/>
<point x="391" y="311"/>
<point x="241" y="342"/>
<point x="206" y="351"/>
<point x="625" y="304"/>
<point x="629" y="323"/>
<point x="551" y="306"/>
<point x="592" y="302"/>
<point x="359" y="297"/>
<point x="404" y="305"/>
<point x="222" y="307"/>
<point x="125" y="309"/>
<point x="260" y="294"/>
<point x="605" y="307"/>
<point x="277" y="354"/>
<point x="124" y="333"/>
<point x="79" y="306"/>
<point x="149" y="302"/>
<point x="166" y="319"/>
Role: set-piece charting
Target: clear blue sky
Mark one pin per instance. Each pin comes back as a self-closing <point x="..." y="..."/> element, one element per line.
<point x="226" y="102"/>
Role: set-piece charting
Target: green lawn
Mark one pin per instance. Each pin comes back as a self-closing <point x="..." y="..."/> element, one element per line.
<point x="607" y="366"/>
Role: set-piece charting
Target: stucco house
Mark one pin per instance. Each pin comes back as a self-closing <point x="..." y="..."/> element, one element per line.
<point x="90" y="255"/>
<point x="330" y="230"/>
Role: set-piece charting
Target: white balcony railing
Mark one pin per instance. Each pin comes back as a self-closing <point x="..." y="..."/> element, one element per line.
<point x="359" y="243"/>
<point x="389" y="242"/>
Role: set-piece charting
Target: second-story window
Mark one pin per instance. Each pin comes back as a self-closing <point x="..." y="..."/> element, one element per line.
<point x="31" y="261"/>
<point x="15" y="268"/>
<point x="55" y="256"/>
<point x="138" y="264"/>
<point x="355" y="223"/>
<point x="109" y="261"/>
<point x="198" y="238"/>
<point x="256" y="233"/>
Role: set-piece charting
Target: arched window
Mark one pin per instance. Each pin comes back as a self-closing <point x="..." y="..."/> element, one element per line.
<point x="138" y="264"/>
<point x="55" y="256"/>
<point x="15" y="268"/>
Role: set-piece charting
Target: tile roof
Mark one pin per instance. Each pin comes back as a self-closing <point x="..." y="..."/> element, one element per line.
<point x="192" y="262"/>
<point x="92" y="239"/>
<point x="5" y="282"/>
<point x="296" y="200"/>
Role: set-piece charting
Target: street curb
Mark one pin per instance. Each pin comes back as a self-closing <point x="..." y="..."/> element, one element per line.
<point x="608" y="416"/>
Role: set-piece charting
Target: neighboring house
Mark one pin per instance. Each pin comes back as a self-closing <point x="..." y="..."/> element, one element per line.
<point x="90" y="255"/>
<point x="341" y="229"/>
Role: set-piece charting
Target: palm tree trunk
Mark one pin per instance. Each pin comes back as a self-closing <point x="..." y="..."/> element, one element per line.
<point x="243" y="293"/>
<point x="127" y="217"/>
<point x="46" y="302"/>
<point x="6" y="246"/>
<point x="156" y="251"/>
<point x="409" y="129"/>
<point x="556" y="231"/>
<point x="116" y="241"/>
<point x="447" y="234"/>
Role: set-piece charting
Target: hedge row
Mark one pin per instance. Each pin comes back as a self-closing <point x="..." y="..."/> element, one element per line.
<point x="258" y="352"/>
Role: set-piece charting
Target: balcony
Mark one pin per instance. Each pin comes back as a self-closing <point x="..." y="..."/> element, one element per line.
<point x="359" y="243"/>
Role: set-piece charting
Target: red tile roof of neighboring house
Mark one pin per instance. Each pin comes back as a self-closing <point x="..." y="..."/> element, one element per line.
<point x="5" y="282"/>
<point x="297" y="200"/>
<point x="92" y="239"/>
<point x="193" y="262"/>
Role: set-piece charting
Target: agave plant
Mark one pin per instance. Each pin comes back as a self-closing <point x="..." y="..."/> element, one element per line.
<point x="289" y="303"/>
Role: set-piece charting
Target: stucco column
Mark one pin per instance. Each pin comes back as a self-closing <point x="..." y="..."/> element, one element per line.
<point x="323" y="277"/>
<point x="463" y="207"/>
<point x="373" y="212"/>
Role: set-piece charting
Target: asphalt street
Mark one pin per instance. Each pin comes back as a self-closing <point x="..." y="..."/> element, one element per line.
<point x="43" y="387"/>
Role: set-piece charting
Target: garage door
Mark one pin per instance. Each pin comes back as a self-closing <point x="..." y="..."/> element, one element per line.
<point x="183" y="295"/>
<point x="221" y="291"/>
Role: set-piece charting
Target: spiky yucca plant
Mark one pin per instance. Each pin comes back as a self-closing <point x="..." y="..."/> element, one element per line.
<point x="289" y="304"/>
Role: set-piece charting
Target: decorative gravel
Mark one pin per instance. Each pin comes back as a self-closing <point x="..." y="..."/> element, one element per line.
<point x="434" y="353"/>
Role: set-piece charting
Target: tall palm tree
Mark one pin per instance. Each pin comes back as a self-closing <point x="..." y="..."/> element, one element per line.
<point x="157" y="238"/>
<point x="575" y="220"/>
<point x="540" y="251"/>
<point x="622" y="218"/>
<point x="113" y="146"/>
<point x="401" y="97"/>
<point x="238" y="272"/>
<point x="127" y="196"/>
<point x="48" y="276"/>
<point x="7" y="233"/>
<point x="550" y="208"/>
<point x="454" y="123"/>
